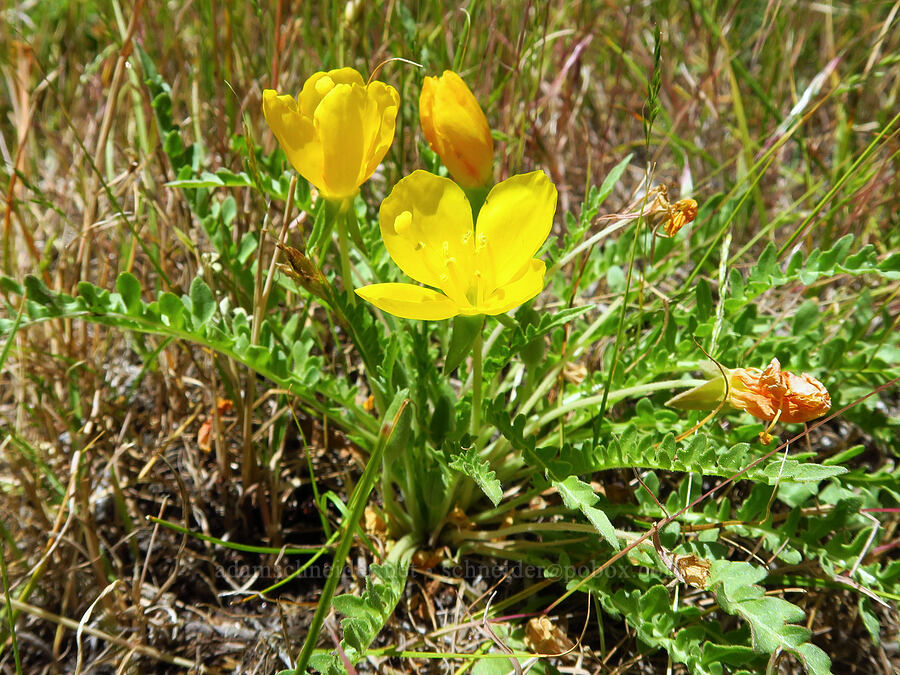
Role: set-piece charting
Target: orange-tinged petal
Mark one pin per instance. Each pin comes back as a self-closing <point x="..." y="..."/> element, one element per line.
<point x="682" y="212"/>
<point x="409" y="301"/>
<point x="296" y="135"/>
<point x="456" y="128"/>
<point x="746" y="393"/>
<point x="340" y="125"/>
<point x="528" y="284"/>
<point x="512" y="225"/>
<point x="805" y="399"/>
<point x="426" y="225"/>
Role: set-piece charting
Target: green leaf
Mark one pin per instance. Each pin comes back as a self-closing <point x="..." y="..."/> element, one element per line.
<point x="10" y="285"/>
<point x="38" y="292"/>
<point x="802" y="473"/>
<point x="367" y="614"/>
<point x="806" y="316"/>
<point x="772" y="619"/>
<point x="869" y="619"/>
<point x="130" y="290"/>
<point x="172" y="310"/>
<point x="467" y="462"/>
<point x="206" y="180"/>
<point x="548" y="322"/>
<point x="323" y="223"/>
<point x="580" y="496"/>
<point x="704" y="299"/>
<point x="390" y="422"/>
<point x="890" y="266"/>
<point x="612" y="178"/>
<point x="203" y="304"/>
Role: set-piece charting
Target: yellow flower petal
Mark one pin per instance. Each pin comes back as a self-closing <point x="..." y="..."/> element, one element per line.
<point x="522" y="288"/>
<point x="340" y="126"/>
<point x="409" y="302"/>
<point x="513" y="224"/>
<point x="426" y="225"/>
<point x="380" y="119"/>
<point x="320" y="84"/>
<point x="295" y="133"/>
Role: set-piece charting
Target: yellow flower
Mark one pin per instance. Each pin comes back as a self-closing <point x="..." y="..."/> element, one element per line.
<point x="768" y="394"/>
<point x="336" y="131"/>
<point x="456" y="129"/>
<point x="426" y="224"/>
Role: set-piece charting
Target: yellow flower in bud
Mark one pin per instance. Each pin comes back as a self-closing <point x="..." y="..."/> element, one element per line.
<point x="457" y="130"/>
<point x="336" y="131"/>
<point x="426" y="225"/>
<point x="768" y="394"/>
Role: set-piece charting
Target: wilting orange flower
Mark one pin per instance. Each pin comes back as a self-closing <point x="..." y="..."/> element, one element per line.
<point x="766" y="394"/>
<point x="671" y="217"/>
<point x="682" y="212"/>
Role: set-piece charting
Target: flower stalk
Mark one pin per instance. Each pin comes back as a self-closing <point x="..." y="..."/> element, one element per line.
<point x="344" y="249"/>
<point x="477" y="384"/>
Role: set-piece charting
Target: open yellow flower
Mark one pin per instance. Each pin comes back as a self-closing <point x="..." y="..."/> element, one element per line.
<point x="336" y="131"/>
<point x="456" y="129"/>
<point x="426" y="224"/>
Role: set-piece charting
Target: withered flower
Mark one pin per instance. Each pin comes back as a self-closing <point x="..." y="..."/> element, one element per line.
<point x="670" y="217"/>
<point x="770" y="394"/>
<point x="774" y="392"/>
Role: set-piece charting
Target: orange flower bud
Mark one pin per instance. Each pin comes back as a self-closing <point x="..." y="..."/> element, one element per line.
<point x="457" y="130"/>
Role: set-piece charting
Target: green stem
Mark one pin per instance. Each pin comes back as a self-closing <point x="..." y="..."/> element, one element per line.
<point x="611" y="397"/>
<point x="477" y="383"/>
<point x="344" y="246"/>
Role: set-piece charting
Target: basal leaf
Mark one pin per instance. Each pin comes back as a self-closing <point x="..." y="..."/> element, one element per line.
<point x="366" y="615"/>
<point x="467" y="462"/>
